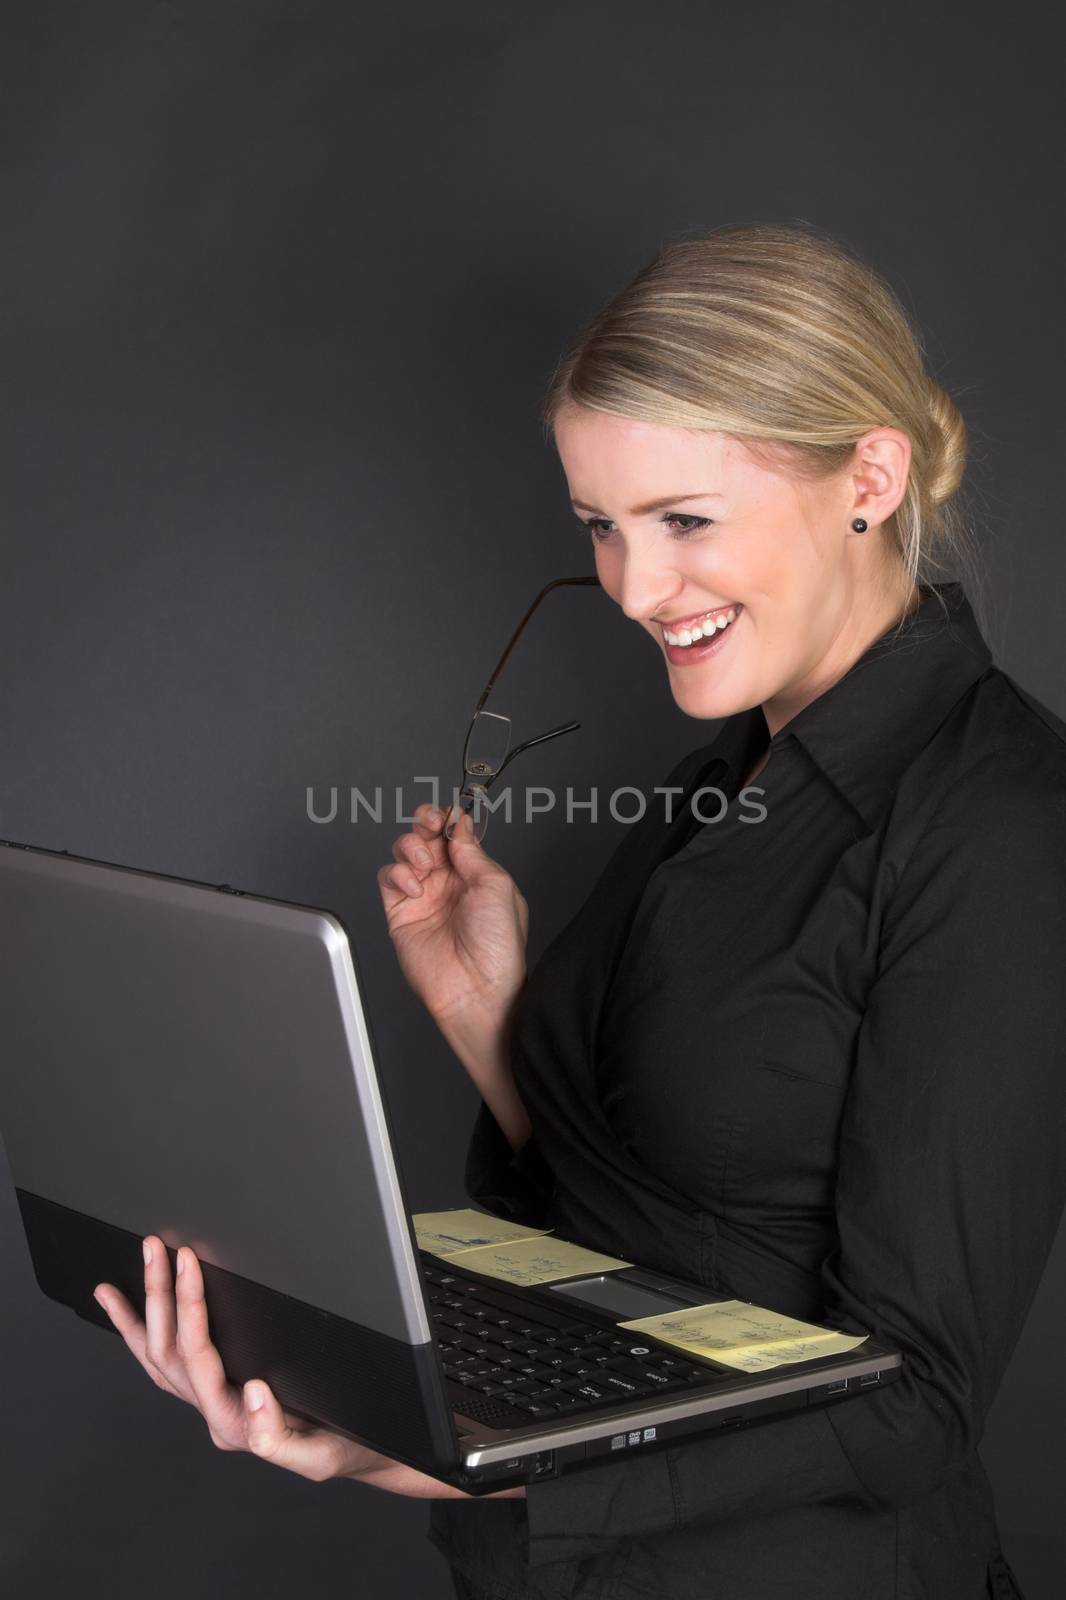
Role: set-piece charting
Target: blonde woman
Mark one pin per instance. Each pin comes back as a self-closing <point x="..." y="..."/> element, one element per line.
<point x="814" y="1060"/>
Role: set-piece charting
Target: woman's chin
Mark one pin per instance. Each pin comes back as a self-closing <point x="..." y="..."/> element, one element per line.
<point x="710" y="705"/>
<point x="703" y="692"/>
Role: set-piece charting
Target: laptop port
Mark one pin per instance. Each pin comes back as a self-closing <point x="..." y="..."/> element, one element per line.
<point x="868" y="1380"/>
<point x="543" y="1464"/>
<point x="838" y="1387"/>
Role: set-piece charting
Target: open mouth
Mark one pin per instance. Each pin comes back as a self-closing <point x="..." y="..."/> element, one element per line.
<point x="701" y="636"/>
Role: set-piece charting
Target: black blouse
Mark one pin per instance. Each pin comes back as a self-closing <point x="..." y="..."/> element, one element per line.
<point x="813" y="1055"/>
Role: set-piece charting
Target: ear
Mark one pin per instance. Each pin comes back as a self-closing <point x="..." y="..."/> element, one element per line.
<point x="881" y="463"/>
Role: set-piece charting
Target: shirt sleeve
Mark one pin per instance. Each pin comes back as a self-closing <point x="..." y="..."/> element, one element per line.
<point x="951" y="1182"/>
<point x="515" y="1185"/>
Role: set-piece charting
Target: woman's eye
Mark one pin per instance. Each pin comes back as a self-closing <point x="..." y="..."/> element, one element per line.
<point x="689" y="524"/>
<point x="694" y="523"/>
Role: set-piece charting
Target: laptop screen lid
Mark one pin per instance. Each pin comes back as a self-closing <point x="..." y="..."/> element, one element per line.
<point x="195" y="1063"/>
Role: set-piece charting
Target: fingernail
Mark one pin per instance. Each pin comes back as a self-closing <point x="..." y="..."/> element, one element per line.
<point x="423" y="857"/>
<point x="434" y="816"/>
<point x="254" y="1395"/>
<point x="147" y="1254"/>
<point x="181" y="1264"/>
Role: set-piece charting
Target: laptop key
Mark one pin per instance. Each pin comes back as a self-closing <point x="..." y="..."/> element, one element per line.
<point x="680" y="1369"/>
<point x="641" y="1372"/>
<point x="539" y="1335"/>
<point x="533" y="1352"/>
<point x="587" y="1390"/>
<point x="621" y="1384"/>
<point x="546" y="1354"/>
<point x="534" y="1408"/>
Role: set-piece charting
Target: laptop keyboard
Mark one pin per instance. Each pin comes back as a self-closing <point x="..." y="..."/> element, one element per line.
<point x="534" y="1362"/>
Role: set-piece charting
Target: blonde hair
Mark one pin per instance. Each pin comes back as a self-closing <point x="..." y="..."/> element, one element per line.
<point x="778" y="337"/>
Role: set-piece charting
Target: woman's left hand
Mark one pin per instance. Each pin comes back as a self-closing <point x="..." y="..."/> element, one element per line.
<point x="174" y="1347"/>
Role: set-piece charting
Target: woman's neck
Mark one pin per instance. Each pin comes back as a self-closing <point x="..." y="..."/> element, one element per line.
<point x="913" y="601"/>
<point x="861" y="635"/>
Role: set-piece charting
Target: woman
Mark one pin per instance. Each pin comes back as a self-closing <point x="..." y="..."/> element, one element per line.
<point x="812" y="1060"/>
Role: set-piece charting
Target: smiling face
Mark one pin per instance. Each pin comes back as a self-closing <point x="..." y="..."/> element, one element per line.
<point x="688" y="529"/>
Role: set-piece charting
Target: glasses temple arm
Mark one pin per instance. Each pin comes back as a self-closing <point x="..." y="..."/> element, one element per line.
<point x="555" y="584"/>
<point x="567" y="727"/>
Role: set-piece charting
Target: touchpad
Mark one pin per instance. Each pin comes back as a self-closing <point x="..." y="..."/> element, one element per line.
<point x="620" y="1299"/>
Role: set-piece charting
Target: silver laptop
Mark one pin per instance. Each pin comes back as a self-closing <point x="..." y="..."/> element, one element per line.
<point x="191" y="1061"/>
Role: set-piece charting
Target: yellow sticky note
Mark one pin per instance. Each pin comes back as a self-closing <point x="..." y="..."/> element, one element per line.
<point x="449" y="1233"/>
<point x="532" y="1261"/>
<point x="750" y="1338"/>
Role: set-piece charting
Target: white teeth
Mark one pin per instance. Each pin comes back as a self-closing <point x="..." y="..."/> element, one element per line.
<point x="689" y="636"/>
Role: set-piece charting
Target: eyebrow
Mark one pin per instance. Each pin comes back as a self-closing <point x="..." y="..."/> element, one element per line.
<point x="653" y="505"/>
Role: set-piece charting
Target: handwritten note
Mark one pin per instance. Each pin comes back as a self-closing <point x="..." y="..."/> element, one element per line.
<point x="748" y="1337"/>
<point x="532" y="1261"/>
<point x="505" y="1249"/>
<point x="451" y="1233"/>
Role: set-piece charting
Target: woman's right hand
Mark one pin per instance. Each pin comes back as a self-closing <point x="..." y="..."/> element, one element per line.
<point x="457" y="920"/>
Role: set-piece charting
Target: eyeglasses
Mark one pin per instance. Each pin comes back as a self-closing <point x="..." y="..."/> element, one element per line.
<point x="485" y="753"/>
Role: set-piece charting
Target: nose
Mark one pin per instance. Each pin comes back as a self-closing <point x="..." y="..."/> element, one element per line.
<point x="648" y="583"/>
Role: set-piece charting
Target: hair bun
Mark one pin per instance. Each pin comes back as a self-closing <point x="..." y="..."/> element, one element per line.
<point x="947" y="461"/>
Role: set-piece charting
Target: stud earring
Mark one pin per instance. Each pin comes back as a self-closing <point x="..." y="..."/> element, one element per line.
<point x="859" y="524"/>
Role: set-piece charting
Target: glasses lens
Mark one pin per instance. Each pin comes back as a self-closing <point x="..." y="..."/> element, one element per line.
<point x="486" y="745"/>
<point x="471" y="804"/>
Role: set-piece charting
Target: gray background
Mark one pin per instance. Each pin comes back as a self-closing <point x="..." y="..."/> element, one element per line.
<point x="282" y="288"/>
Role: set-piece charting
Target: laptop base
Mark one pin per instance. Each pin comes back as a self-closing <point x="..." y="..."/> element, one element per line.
<point x="325" y="1369"/>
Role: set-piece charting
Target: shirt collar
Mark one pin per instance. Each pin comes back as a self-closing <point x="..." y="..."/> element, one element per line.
<point x="866" y="729"/>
